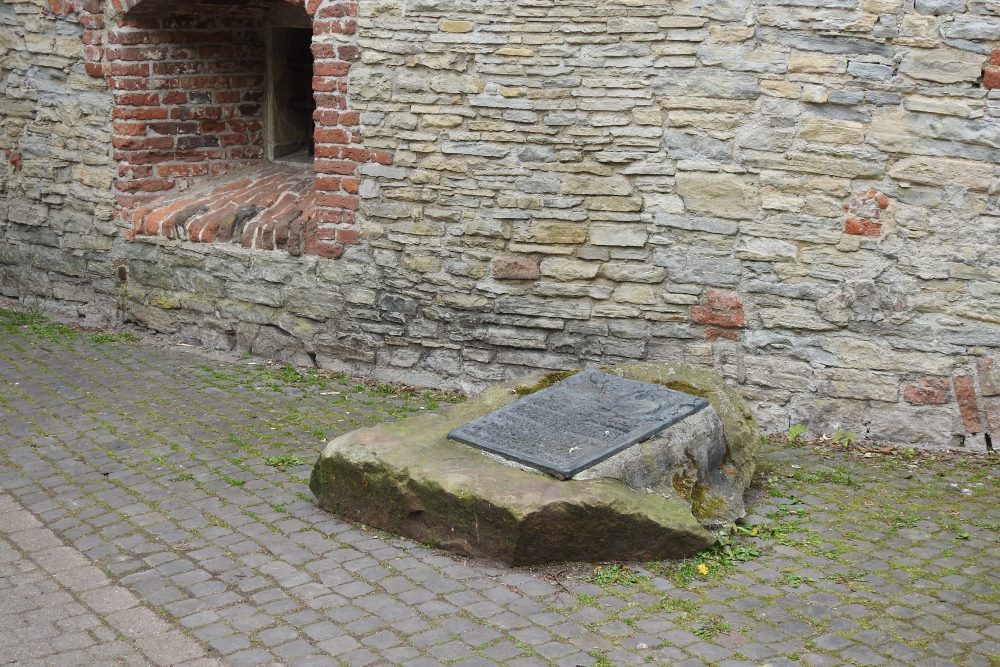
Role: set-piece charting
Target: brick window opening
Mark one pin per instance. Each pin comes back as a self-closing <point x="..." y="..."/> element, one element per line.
<point x="225" y="127"/>
<point x="290" y="104"/>
<point x="214" y="122"/>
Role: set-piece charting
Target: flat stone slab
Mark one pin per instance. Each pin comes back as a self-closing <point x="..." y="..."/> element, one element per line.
<point x="409" y="478"/>
<point x="578" y="422"/>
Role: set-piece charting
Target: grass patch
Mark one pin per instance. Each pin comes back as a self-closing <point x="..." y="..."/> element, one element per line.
<point x="244" y="445"/>
<point x="601" y="658"/>
<point x="337" y="386"/>
<point x="796" y="580"/>
<point x="675" y="605"/>
<point x="711" y="626"/>
<point x="35" y="325"/>
<point x="614" y="574"/>
<point x="283" y="461"/>
<point x="711" y="563"/>
<point x="111" y="337"/>
<point x="290" y="375"/>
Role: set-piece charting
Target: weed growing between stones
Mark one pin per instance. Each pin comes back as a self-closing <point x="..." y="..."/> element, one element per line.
<point x="732" y="549"/>
<point x="601" y="658"/>
<point x="845" y="438"/>
<point x="35" y="325"/>
<point x="844" y="489"/>
<point x="711" y="626"/>
<point x="284" y="461"/>
<point x="119" y="337"/>
<point x="615" y="574"/>
<point x="797" y="433"/>
<point x="860" y="544"/>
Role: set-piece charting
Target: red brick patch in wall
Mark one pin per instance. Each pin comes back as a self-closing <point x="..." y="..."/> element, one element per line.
<point x="965" y="392"/>
<point x="67" y="7"/>
<point x="864" y="213"/>
<point x="991" y="74"/>
<point x="15" y="159"/>
<point x="927" y="391"/>
<point x="723" y="312"/>
<point x="516" y="267"/>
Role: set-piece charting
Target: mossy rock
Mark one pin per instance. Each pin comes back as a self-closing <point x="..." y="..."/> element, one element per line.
<point x="742" y="434"/>
<point x="407" y="477"/>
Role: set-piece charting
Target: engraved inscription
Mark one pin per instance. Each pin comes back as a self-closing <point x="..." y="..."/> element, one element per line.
<point x="578" y="422"/>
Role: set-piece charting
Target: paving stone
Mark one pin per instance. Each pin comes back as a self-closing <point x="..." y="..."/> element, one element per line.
<point x="258" y="586"/>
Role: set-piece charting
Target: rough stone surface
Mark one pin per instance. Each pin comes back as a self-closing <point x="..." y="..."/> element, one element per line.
<point x="411" y="478"/>
<point x="683" y="460"/>
<point x="515" y="186"/>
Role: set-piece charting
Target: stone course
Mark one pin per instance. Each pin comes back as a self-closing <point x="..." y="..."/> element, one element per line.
<point x="801" y="196"/>
<point x="144" y="469"/>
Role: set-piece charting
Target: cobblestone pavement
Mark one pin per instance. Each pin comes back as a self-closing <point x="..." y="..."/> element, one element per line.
<point x="59" y="609"/>
<point x="155" y="511"/>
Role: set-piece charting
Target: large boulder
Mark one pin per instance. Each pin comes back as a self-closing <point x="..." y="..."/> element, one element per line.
<point x="407" y="477"/>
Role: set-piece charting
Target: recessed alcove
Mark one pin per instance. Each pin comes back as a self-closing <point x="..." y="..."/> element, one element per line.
<point x="290" y="103"/>
<point x="214" y="121"/>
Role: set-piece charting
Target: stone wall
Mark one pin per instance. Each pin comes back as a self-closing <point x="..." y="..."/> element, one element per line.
<point x="801" y="195"/>
<point x="56" y="229"/>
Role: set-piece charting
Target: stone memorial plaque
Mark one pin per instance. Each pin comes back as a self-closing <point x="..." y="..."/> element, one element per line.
<point x="579" y="422"/>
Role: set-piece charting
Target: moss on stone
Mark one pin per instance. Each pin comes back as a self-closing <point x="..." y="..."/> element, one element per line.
<point x="684" y="486"/>
<point x="407" y="477"/>
<point x="164" y="302"/>
<point x="545" y="382"/>
<point x="707" y="505"/>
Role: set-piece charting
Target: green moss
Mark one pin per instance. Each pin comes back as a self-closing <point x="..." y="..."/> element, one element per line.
<point x="164" y="302"/>
<point x="547" y="381"/>
<point x="682" y="386"/>
<point x="707" y="506"/>
<point x="35" y="325"/>
<point x="684" y="485"/>
<point x="407" y="477"/>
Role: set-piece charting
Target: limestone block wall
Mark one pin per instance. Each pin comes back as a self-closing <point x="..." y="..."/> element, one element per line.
<point x="804" y="196"/>
<point x="56" y="167"/>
